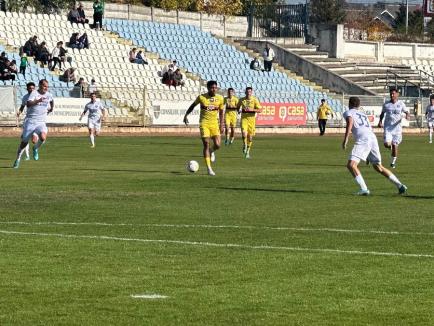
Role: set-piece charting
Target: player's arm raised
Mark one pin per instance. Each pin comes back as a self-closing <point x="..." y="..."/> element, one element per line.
<point x="349" y="121"/>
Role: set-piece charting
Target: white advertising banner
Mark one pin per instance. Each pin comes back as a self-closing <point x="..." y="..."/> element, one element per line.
<point x="373" y="113"/>
<point x="7" y="99"/>
<point x="67" y="110"/>
<point x="172" y="113"/>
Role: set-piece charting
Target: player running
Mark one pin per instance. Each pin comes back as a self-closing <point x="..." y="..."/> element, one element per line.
<point x="210" y="121"/>
<point x="249" y="106"/>
<point x="39" y="104"/>
<point x="231" y="102"/>
<point x="30" y="88"/>
<point x="393" y="110"/>
<point x="97" y="115"/>
<point x="429" y="115"/>
<point x="365" y="147"/>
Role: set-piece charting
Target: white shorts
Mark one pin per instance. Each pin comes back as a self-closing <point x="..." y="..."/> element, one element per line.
<point x="393" y="135"/>
<point x="430" y="123"/>
<point x="94" y="124"/>
<point x="30" y="128"/>
<point x="369" y="150"/>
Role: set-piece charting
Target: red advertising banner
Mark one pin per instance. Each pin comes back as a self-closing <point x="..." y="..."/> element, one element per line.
<point x="282" y="114"/>
<point x="428" y="8"/>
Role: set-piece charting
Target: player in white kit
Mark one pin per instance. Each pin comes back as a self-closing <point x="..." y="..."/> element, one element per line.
<point x="39" y="104"/>
<point x="392" y="111"/>
<point x="429" y="115"/>
<point x="97" y="114"/>
<point x="30" y="88"/>
<point x="365" y="147"/>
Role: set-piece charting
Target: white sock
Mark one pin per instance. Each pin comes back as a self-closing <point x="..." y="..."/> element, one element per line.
<point x="20" y="152"/>
<point x="38" y="144"/>
<point x="26" y="149"/>
<point x="430" y="134"/>
<point x="361" y="182"/>
<point x="394" y="159"/>
<point x="395" y="180"/>
<point x="92" y="140"/>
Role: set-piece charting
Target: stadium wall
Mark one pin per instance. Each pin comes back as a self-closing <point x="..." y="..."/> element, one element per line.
<point x="309" y="69"/>
<point x="329" y="38"/>
<point x="217" y="24"/>
<point x="389" y="52"/>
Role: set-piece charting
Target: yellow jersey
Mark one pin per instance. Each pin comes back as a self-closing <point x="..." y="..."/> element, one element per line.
<point x="231" y="103"/>
<point x="323" y="111"/>
<point x="209" y="107"/>
<point x="248" y="105"/>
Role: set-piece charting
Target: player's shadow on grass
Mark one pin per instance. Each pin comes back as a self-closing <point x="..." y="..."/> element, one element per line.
<point x="267" y="190"/>
<point x="123" y="170"/>
<point x="317" y="164"/>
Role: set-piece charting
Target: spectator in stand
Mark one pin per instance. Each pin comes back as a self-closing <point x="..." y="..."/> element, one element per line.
<point x="55" y="56"/>
<point x="255" y="64"/>
<point x="98" y="13"/>
<point x="42" y="54"/>
<point x="24" y="63"/>
<point x="174" y="65"/>
<point x="73" y="41"/>
<point x="13" y="67"/>
<point x="62" y="55"/>
<point x="167" y="68"/>
<point x="178" y="78"/>
<point x="93" y="87"/>
<point x="168" y="77"/>
<point x="268" y="55"/>
<point x="74" y="15"/>
<point x="141" y="59"/>
<point x="6" y="70"/>
<point x="80" y="10"/>
<point x="27" y="48"/>
<point x="83" y="42"/>
<point x="3" y="57"/>
<point x="69" y="76"/>
<point x="81" y="84"/>
<point x="132" y="55"/>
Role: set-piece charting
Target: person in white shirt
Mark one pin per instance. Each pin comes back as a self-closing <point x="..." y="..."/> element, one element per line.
<point x="55" y="56"/>
<point x="30" y="88"/>
<point x="268" y="56"/>
<point x="96" y="116"/>
<point x="392" y="112"/>
<point x="429" y="116"/>
<point x="365" y="147"/>
<point x="39" y="104"/>
<point x="93" y="87"/>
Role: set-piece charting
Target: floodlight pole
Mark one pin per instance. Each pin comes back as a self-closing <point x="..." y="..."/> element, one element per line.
<point x="406" y="17"/>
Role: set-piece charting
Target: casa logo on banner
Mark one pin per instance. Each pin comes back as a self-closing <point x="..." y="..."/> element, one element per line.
<point x="282" y="114"/>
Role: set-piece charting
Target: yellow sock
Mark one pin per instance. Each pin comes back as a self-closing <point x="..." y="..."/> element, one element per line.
<point x="208" y="162"/>
<point x="249" y="144"/>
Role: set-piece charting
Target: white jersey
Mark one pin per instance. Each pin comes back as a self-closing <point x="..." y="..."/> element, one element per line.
<point x="361" y="130"/>
<point x="393" y="113"/>
<point x="25" y="99"/>
<point x="95" y="110"/>
<point x="38" y="112"/>
<point x="429" y="113"/>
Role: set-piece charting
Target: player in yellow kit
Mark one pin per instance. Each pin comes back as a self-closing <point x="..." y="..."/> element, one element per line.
<point x="249" y="106"/>
<point x="231" y="102"/>
<point x="210" y="121"/>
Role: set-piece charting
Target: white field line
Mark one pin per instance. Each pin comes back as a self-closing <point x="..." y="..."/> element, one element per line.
<point x="219" y="245"/>
<point x="149" y="296"/>
<point x="205" y="226"/>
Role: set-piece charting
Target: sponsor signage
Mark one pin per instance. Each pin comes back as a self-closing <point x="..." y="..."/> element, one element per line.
<point x="282" y="114"/>
<point x="172" y="113"/>
<point x="67" y="110"/>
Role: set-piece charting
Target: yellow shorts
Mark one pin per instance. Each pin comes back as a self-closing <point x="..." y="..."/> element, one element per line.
<point x="231" y="118"/>
<point x="248" y="125"/>
<point x="209" y="130"/>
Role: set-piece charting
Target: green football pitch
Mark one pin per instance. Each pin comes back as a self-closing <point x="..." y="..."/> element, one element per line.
<point x="124" y="235"/>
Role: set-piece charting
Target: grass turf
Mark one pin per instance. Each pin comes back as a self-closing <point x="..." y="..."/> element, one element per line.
<point x="276" y="240"/>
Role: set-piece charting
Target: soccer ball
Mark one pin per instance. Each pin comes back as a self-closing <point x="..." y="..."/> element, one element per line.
<point x="192" y="166"/>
